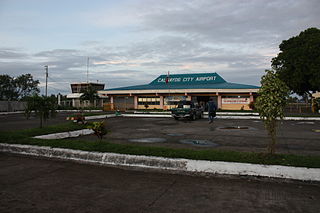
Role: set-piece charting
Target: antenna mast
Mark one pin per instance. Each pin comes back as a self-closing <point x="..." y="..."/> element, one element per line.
<point x="88" y="70"/>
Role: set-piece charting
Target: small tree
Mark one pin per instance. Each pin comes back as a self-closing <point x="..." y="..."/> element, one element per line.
<point x="99" y="129"/>
<point x="44" y="107"/>
<point x="271" y="102"/>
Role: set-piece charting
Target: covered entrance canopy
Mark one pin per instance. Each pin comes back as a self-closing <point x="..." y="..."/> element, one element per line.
<point x="165" y="91"/>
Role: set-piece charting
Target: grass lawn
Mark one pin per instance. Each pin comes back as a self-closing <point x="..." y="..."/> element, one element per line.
<point x="25" y="137"/>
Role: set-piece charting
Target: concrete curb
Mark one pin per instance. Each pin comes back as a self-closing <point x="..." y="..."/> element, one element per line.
<point x="223" y="117"/>
<point x="70" y="134"/>
<point x="302" y="118"/>
<point x="205" y="113"/>
<point x="181" y="165"/>
<point x="146" y="115"/>
<point x="74" y="110"/>
<point x="238" y="117"/>
<point x="99" y="117"/>
<point x="9" y="113"/>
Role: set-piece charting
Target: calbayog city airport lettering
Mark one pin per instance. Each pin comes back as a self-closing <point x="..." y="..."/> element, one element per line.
<point x="188" y="79"/>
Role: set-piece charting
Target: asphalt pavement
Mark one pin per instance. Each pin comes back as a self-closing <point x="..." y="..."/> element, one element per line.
<point x="39" y="185"/>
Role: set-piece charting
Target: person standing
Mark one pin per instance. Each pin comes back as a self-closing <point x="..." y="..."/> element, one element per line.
<point x="212" y="108"/>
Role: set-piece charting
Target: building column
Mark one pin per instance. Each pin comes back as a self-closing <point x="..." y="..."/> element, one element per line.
<point x="161" y="101"/>
<point x="111" y="102"/>
<point x="73" y="103"/>
<point x="251" y="97"/>
<point x="135" y="99"/>
<point x="59" y="99"/>
<point x="219" y="101"/>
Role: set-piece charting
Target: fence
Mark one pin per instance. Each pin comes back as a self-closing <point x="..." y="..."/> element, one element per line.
<point x="11" y="106"/>
<point x="298" y="108"/>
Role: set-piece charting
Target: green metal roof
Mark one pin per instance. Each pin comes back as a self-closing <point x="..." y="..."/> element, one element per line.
<point x="188" y="81"/>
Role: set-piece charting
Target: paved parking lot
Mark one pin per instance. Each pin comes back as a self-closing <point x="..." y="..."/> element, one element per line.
<point x="293" y="136"/>
<point x="296" y="137"/>
<point x="40" y="185"/>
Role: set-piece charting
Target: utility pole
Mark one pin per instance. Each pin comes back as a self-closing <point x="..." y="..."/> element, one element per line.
<point x="46" y="67"/>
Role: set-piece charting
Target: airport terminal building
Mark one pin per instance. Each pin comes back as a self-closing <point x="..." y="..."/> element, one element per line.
<point x="165" y="91"/>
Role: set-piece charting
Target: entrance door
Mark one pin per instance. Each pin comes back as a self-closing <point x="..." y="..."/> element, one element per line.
<point x="203" y="100"/>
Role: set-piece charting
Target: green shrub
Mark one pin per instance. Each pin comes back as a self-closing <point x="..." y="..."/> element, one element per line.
<point x="99" y="129"/>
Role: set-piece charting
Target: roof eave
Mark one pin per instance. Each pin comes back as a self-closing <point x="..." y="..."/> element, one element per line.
<point x="160" y="91"/>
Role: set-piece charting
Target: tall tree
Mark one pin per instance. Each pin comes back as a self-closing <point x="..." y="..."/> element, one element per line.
<point x="26" y="86"/>
<point x="270" y="104"/>
<point x="299" y="61"/>
<point x="17" y="88"/>
<point x="44" y="107"/>
<point x="7" y="88"/>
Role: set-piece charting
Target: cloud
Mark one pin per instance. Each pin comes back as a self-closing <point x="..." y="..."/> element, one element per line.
<point x="149" y="59"/>
<point x="11" y="53"/>
<point x="233" y="21"/>
<point x="58" y="53"/>
<point x="119" y="78"/>
<point x="113" y="17"/>
<point x="133" y="42"/>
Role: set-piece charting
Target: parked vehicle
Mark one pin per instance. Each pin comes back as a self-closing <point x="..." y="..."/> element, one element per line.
<point x="187" y="109"/>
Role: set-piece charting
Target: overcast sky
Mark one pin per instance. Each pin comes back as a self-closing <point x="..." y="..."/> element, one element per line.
<point x="131" y="42"/>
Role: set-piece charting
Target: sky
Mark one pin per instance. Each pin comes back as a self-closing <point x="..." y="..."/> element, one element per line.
<point x="131" y="42"/>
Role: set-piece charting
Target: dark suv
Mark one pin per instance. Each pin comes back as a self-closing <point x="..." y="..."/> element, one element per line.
<point x="187" y="109"/>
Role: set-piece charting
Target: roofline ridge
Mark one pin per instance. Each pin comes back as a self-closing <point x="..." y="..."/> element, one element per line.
<point x="242" y="84"/>
<point x="190" y="74"/>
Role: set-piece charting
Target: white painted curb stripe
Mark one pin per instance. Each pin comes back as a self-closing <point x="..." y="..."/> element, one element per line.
<point x="9" y="113"/>
<point x="205" y="113"/>
<point x="167" y="115"/>
<point x="223" y="117"/>
<point x="237" y="117"/>
<point x="164" y="112"/>
<point x="99" y="117"/>
<point x="302" y="118"/>
<point x="70" y="134"/>
<point x="146" y="115"/>
<point x="75" y="110"/>
<point x="235" y="113"/>
<point x="184" y="165"/>
<point x="275" y="171"/>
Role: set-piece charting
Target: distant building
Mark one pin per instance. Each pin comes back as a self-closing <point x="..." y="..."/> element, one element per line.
<point x="165" y="91"/>
<point x="78" y="88"/>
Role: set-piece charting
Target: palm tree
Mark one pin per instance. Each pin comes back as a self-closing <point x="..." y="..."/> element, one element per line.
<point x="90" y="94"/>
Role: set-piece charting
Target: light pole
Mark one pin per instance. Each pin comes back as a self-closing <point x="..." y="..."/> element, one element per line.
<point x="46" y="67"/>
